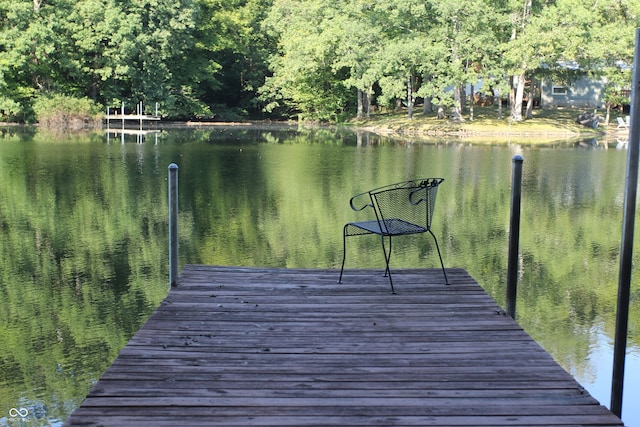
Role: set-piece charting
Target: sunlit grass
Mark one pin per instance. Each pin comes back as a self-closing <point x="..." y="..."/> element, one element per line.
<point x="546" y="125"/>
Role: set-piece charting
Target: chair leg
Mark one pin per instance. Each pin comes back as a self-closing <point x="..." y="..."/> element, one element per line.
<point x="446" y="281"/>
<point x="387" y="258"/>
<point x="344" y="252"/>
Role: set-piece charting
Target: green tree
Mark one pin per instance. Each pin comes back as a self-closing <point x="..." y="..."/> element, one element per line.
<point x="357" y="42"/>
<point x="609" y="53"/>
<point x="545" y="36"/>
<point x="303" y="77"/>
<point x="102" y="36"/>
<point x="405" y="49"/>
<point x="470" y="32"/>
<point x="111" y="51"/>
<point x="31" y="54"/>
<point x="313" y="59"/>
<point x="160" y="67"/>
<point x="231" y="53"/>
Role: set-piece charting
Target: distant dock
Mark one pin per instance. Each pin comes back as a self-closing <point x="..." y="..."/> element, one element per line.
<point x="139" y="116"/>
<point x="235" y="346"/>
<point x="123" y="118"/>
<point x="132" y="117"/>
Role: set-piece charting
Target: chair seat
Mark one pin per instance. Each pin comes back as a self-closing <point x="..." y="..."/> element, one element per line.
<point x="391" y="227"/>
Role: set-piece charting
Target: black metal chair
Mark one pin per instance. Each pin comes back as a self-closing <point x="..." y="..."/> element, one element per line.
<point x="400" y="209"/>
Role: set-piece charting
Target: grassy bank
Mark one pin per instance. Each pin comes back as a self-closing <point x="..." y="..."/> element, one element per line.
<point x="545" y="127"/>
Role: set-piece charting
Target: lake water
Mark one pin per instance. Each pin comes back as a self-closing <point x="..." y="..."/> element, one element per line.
<point x="84" y="258"/>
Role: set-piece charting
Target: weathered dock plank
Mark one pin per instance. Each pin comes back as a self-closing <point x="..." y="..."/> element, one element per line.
<point x="277" y="347"/>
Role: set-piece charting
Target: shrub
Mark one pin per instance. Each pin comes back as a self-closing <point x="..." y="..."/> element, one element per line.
<point x="9" y="109"/>
<point x="67" y="112"/>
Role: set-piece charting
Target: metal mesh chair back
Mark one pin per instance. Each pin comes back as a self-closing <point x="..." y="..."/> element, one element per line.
<point x="406" y="208"/>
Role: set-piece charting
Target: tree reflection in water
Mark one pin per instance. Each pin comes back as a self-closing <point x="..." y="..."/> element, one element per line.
<point x="84" y="229"/>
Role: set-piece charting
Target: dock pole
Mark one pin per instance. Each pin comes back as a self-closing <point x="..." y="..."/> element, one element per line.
<point x="514" y="235"/>
<point x="626" y="250"/>
<point x="173" y="225"/>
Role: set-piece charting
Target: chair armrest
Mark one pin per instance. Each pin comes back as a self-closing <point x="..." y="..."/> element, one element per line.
<point x="357" y="205"/>
<point x="420" y="200"/>
<point x="425" y="184"/>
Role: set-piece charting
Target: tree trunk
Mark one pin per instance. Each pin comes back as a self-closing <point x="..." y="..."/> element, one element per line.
<point x="472" y="103"/>
<point x="94" y="79"/>
<point x="517" y="82"/>
<point x="516" y="107"/>
<point x="512" y="95"/>
<point x="498" y="98"/>
<point x="360" y="112"/>
<point x="368" y="102"/>
<point x="36" y="5"/>
<point x="532" y="90"/>
<point x="427" y="107"/>
<point x="457" y="104"/>
<point x="409" y="97"/>
<point x="94" y="90"/>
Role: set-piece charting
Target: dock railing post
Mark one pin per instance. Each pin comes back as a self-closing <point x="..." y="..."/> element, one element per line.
<point x="514" y="235"/>
<point x="173" y="225"/>
<point x="626" y="246"/>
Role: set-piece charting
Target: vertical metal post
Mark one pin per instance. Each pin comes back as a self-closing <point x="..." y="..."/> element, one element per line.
<point x="514" y="235"/>
<point x="108" y="122"/>
<point x="626" y="250"/>
<point x="173" y="225"/>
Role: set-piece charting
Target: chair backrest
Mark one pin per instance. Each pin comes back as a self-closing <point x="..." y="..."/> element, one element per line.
<point x="409" y="201"/>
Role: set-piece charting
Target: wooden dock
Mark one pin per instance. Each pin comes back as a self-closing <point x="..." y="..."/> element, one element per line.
<point x="132" y="117"/>
<point x="249" y="346"/>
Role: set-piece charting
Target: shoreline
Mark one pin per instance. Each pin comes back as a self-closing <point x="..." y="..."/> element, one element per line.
<point x="542" y="136"/>
<point x="417" y="130"/>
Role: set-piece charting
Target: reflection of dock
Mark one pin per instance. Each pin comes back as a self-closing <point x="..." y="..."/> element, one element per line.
<point x="256" y="346"/>
<point x="132" y="131"/>
<point x="139" y="133"/>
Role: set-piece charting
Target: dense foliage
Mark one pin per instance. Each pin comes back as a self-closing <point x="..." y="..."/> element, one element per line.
<point x="312" y="59"/>
<point x="60" y="111"/>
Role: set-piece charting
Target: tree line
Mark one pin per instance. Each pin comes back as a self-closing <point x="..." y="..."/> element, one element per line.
<point x="308" y="59"/>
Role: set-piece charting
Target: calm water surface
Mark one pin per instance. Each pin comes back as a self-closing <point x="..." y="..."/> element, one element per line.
<point x="83" y="239"/>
